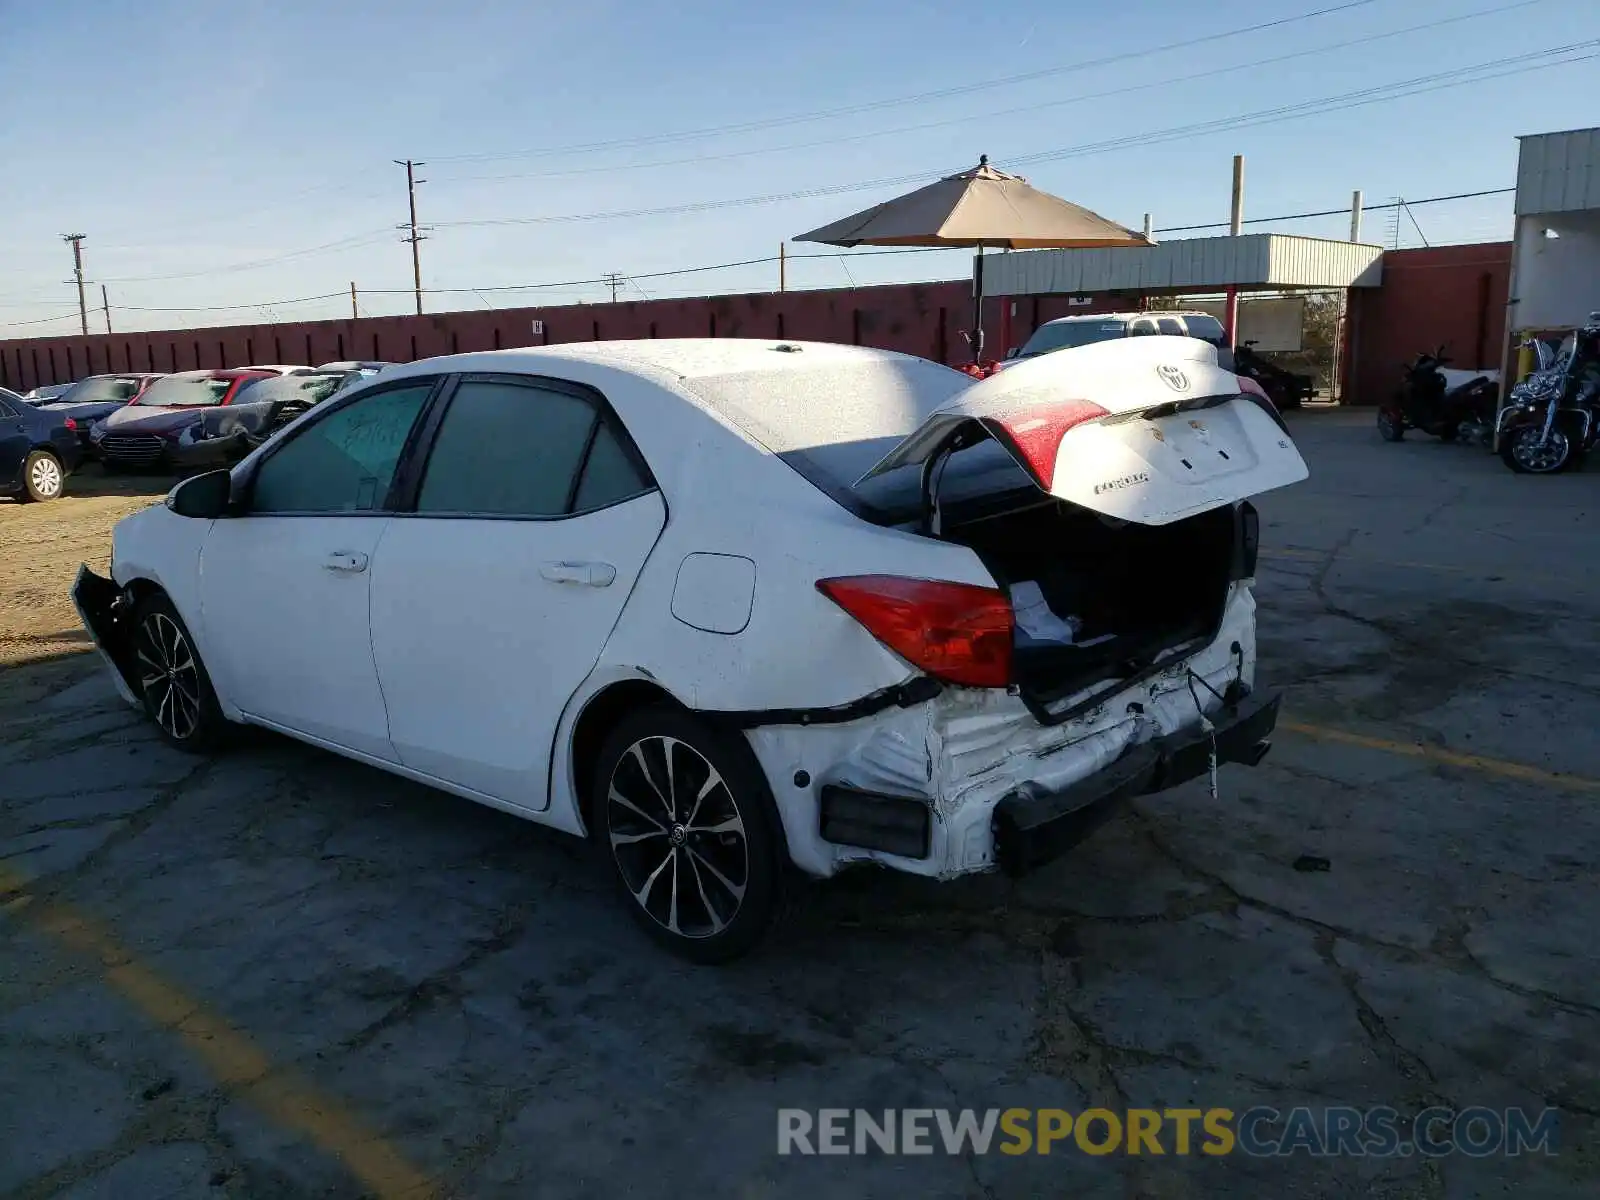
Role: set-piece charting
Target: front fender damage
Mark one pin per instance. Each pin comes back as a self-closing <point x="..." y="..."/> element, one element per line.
<point x="106" y="611"/>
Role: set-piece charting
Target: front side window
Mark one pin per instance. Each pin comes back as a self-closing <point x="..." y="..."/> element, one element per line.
<point x="508" y="450"/>
<point x="1143" y="327"/>
<point x="345" y="462"/>
<point x="1173" y="326"/>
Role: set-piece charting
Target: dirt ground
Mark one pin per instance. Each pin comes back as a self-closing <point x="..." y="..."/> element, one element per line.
<point x="41" y="546"/>
<point x="276" y="973"/>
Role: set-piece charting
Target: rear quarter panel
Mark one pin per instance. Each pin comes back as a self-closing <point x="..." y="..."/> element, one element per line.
<point x="727" y="495"/>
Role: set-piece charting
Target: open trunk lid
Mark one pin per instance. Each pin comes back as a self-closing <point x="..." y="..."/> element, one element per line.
<point x="1145" y="429"/>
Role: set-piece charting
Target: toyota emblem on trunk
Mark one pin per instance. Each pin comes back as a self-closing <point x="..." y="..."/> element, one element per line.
<point x="1173" y="378"/>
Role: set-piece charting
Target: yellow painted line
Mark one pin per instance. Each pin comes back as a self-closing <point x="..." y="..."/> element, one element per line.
<point x="236" y="1062"/>
<point x="1452" y="758"/>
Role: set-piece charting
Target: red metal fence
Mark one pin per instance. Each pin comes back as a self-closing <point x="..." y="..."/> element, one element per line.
<point x="1453" y="294"/>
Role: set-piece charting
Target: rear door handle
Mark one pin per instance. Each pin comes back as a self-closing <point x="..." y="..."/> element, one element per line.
<point x="588" y="574"/>
<point x="349" y="561"/>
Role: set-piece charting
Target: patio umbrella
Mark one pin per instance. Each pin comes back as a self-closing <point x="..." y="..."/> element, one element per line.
<point x="984" y="208"/>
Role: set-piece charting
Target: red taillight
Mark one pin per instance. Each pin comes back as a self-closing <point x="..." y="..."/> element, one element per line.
<point x="1257" y="395"/>
<point x="71" y="424"/>
<point x="953" y="631"/>
<point x="1036" y="431"/>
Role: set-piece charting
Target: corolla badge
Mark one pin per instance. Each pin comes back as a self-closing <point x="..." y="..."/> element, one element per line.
<point x="1173" y="377"/>
<point x="1126" y="481"/>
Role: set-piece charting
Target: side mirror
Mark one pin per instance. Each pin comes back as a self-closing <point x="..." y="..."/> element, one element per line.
<point x="205" y="496"/>
<point x="1014" y="351"/>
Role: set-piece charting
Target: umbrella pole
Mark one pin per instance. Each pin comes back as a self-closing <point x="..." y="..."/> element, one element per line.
<point x="977" y="306"/>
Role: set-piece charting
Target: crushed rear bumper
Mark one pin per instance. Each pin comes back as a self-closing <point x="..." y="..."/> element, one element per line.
<point x="1032" y="826"/>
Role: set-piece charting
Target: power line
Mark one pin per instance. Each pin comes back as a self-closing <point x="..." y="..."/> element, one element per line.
<point x="900" y="101"/>
<point x="349" y="243"/>
<point x="1458" y="77"/>
<point x="993" y="114"/>
<point x="608" y="278"/>
<point x="1340" y="212"/>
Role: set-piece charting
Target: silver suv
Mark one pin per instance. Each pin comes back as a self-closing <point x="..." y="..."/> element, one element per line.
<point x="1065" y="333"/>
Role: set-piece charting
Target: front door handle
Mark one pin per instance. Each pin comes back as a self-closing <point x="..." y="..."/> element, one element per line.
<point x="588" y="574"/>
<point x="350" y="561"/>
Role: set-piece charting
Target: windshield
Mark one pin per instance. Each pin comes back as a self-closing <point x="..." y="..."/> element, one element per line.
<point x="183" y="390"/>
<point x="297" y="389"/>
<point x="1067" y="334"/>
<point x="101" y="391"/>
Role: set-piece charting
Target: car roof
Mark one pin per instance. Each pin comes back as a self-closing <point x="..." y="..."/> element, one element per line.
<point x="1074" y="318"/>
<point x="686" y="359"/>
<point x="832" y="409"/>
<point x="224" y="373"/>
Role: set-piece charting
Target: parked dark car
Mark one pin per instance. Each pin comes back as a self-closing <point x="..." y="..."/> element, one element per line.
<point x="97" y="397"/>
<point x="157" y="429"/>
<point x="38" y="450"/>
<point x="225" y="435"/>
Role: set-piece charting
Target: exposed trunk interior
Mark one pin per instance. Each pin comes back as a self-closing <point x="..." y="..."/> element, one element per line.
<point x="1121" y="594"/>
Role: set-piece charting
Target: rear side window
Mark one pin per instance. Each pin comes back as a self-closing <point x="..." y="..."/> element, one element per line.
<point x="343" y="462"/>
<point x="1143" y="327"/>
<point x="610" y="474"/>
<point x="7" y="409"/>
<point x="508" y="449"/>
<point x="1173" y="326"/>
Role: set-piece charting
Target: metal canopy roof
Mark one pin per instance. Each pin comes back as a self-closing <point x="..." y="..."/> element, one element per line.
<point x="1558" y="172"/>
<point x="1261" y="260"/>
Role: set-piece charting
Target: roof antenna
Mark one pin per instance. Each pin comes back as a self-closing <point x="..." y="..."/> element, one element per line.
<point x="983" y="160"/>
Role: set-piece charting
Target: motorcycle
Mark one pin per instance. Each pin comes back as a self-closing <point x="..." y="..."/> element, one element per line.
<point x="1549" y="421"/>
<point x="1286" y="389"/>
<point x="1444" y="403"/>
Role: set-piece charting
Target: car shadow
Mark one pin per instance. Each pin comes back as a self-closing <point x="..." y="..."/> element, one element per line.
<point x="92" y="479"/>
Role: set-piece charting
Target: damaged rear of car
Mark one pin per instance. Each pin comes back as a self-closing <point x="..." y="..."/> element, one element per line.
<point x="1105" y="493"/>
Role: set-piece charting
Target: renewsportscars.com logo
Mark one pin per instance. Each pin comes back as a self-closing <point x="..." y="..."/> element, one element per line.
<point x="1258" y="1132"/>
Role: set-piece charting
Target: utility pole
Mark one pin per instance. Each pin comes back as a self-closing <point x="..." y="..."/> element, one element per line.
<point x="783" y="266"/>
<point x="1355" y="215"/>
<point x="77" y="269"/>
<point x="105" y="307"/>
<point x="614" y="281"/>
<point x="354" y="311"/>
<point x="414" y="236"/>
<point x="1235" y="228"/>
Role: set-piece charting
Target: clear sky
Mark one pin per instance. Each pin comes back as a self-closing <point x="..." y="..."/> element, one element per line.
<point x="239" y="153"/>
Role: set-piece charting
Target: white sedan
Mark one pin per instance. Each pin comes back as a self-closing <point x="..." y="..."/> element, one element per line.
<point x="726" y="606"/>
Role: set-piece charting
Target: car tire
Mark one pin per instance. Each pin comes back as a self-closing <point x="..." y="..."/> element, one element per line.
<point x="1391" y="426"/>
<point x="684" y="817"/>
<point x="43" y="477"/>
<point x="171" y="680"/>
